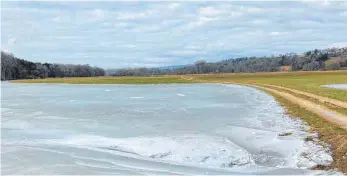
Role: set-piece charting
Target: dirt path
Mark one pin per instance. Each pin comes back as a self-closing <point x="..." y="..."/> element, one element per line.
<point x="186" y="77"/>
<point x="322" y="111"/>
<point x="329" y="115"/>
<point x="319" y="98"/>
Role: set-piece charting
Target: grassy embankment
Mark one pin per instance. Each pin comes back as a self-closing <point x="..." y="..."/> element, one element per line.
<point x="305" y="81"/>
<point x="333" y="107"/>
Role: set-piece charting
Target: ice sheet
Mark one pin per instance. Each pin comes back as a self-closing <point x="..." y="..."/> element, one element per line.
<point x="213" y="129"/>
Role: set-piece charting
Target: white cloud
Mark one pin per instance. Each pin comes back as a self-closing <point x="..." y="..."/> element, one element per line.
<point x="57" y="18"/>
<point x="235" y="14"/>
<point x="129" y="46"/>
<point x="338" y="45"/>
<point x="62" y="17"/>
<point x="275" y="33"/>
<point x="193" y="47"/>
<point x="7" y="51"/>
<point x="183" y="52"/>
<point x="318" y="2"/>
<point x="158" y="59"/>
<point x="11" y="41"/>
<point x="173" y="6"/>
<point x="127" y="15"/>
<point x="121" y="24"/>
<point x="255" y="10"/>
<point x="204" y="20"/>
<point x="219" y="12"/>
<point x="167" y="33"/>
<point x="98" y="14"/>
<point x="260" y="21"/>
<point x="134" y="15"/>
<point x="209" y="11"/>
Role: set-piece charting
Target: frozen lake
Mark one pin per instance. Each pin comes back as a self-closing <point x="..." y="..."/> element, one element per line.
<point x="336" y="86"/>
<point x="150" y="129"/>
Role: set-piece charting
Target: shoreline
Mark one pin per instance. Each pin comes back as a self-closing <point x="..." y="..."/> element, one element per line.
<point x="328" y="133"/>
<point x="322" y="111"/>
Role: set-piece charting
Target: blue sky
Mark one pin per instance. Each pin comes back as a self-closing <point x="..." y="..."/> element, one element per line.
<point x="155" y="34"/>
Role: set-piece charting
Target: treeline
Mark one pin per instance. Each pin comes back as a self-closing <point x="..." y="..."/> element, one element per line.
<point x="15" y="68"/>
<point x="328" y="59"/>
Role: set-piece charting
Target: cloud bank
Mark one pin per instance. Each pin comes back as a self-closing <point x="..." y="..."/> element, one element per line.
<point x="154" y="34"/>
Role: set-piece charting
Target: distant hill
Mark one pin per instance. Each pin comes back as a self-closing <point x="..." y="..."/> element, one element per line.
<point x="324" y="59"/>
<point x="16" y="68"/>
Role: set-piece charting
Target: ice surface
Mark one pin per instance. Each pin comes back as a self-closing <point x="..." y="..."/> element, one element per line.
<point x="136" y="97"/>
<point x="214" y="129"/>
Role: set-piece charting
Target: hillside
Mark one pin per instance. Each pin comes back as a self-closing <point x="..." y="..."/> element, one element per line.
<point x="326" y="59"/>
<point x="308" y="61"/>
<point x="14" y="68"/>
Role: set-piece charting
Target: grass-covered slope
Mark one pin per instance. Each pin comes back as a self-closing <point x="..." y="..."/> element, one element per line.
<point x="305" y="81"/>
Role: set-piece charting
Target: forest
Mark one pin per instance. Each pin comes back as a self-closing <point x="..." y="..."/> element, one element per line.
<point x="326" y="59"/>
<point x="15" y="68"/>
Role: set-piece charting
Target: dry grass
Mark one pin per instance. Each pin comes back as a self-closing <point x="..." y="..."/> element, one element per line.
<point x="305" y="81"/>
<point x="335" y="59"/>
<point x="325" y="104"/>
<point x="286" y="68"/>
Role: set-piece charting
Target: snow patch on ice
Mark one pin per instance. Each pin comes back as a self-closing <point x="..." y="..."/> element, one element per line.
<point x="249" y="150"/>
<point x="191" y="149"/>
<point x="315" y="153"/>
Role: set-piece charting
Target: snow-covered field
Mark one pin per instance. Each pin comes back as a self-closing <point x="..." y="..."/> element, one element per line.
<point x="151" y="129"/>
<point x="336" y="86"/>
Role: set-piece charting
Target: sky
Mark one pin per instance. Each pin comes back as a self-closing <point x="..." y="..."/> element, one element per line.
<point x="115" y="34"/>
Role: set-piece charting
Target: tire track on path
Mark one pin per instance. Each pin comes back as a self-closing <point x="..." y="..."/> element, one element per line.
<point x="319" y="98"/>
